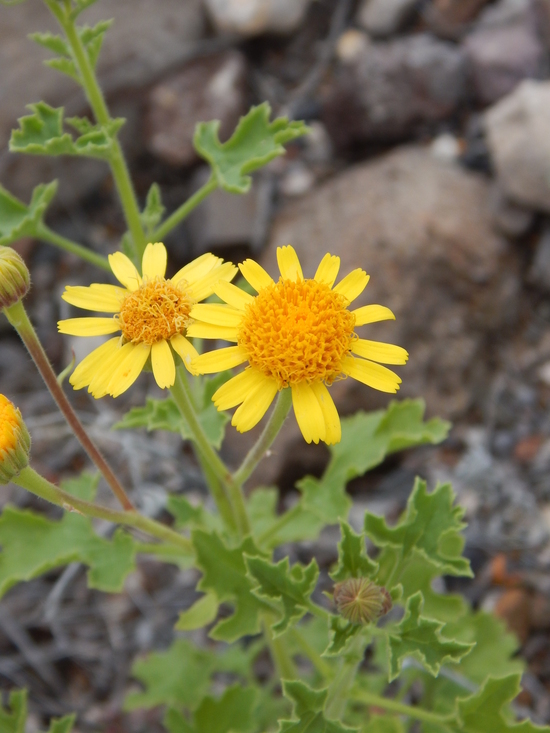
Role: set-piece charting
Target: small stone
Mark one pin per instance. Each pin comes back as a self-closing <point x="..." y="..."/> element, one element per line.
<point x="206" y="89"/>
<point x="446" y="148"/>
<point x="351" y="45"/>
<point x="385" y="17"/>
<point x="517" y="135"/>
<point x="254" y="17"/>
<point x="297" y="181"/>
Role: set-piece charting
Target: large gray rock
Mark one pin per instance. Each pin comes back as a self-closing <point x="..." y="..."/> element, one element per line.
<point x="422" y="229"/>
<point x="254" y="17"/>
<point x="504" y="49"/>
<point x="517" y="135"/>
<point x="385" y="17"/>
<point x="385" y="90"/>
<point x="140" y="46"/>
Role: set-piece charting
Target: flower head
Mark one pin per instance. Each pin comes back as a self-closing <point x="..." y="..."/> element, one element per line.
<point x="361" y="601"/>
<point x="15" y="441"/>
<point x="296" y="333"/>
<point x="151" y="313"/>
<point x="15" y="280"/>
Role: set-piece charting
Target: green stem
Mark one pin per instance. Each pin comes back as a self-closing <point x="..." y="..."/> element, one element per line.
<point x="272" y="532"/>
<point x="17" y="316"/>
<point x="338" y="691"/>
<point x="184" y="210"/>
<point x="270" y="432"/>
<point x="116" y="158"/>
<point x="216" y="473"/>
<point x="47" y="235"/>
<point x="279" y="653"/>
<point x="32" y="481"/>
<point x="369" y="698"/>
<point x="324" y="668"/>
<point x="316" y="610"/>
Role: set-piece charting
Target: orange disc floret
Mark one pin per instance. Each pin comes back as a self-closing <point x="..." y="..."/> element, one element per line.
<point x="297" y="332"/>
<point x="15" y="441"/>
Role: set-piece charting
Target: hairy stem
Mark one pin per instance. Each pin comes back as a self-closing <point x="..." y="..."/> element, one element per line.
<point x="279" y="653"/>
<point x="270" y="432"/>
<point x="17" y="316"/>
<point x="184" y="210"/>
<point x="47" y="235"/>
<point x="338" y="691"/>
<point x="323" y="667"/>
<point x="393" y="706"/>
<point x="32" y="481"/>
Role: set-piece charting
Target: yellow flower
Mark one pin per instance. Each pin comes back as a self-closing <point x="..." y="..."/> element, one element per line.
<point x="15" y="441"/>
<point x="295" y="333"/>
<point x="152" y="314"/>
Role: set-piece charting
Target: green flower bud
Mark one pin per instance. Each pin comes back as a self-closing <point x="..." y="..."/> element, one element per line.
<point x="15" y="441"/>
<point x="361" y="601"/>
<point x="15" y="280"/>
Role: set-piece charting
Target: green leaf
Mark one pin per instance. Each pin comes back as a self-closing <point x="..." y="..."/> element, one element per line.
<point x="201" y="613"/>
<point x="232" y="712"/>
<point x="51" y="42"/>
<point x="64" y="66"/>
<point x="154" y="209"/>
<point x="165" y="415"/>
<point x="262" y="511"/>
<point x="341" y="633"/>
<point x="14" y="720"/>
<point x="384" y="724"/>
<point x="224" y="574"/>
<point x="420" y="637"/>
<point x="33" y="545"/>
<point x="254" y="143"/>
<point x="180" y="676"/>
<point x="292" y="587"/>
<point x="92" y="38"/>
<point x="187" y="514"/>
<point x="18" y="220"/>
<point x="429" y="523"/>
<point x="84" y="486"/>
<point x="352" y="556"/>
<point x="42" y="134"/>
<point x="308" y="711"/>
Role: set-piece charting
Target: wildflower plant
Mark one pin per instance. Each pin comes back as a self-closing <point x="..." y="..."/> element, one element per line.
<point x="289" y="341"/>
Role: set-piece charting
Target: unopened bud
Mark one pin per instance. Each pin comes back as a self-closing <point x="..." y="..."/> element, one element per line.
<point x="15" y="441"/>
<point x="361" y="601"/>
<point x="15" y="280"/>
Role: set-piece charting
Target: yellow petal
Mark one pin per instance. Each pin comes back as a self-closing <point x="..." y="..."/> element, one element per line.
<point x="197" y="268"/>
<point x="154" y="261"/>
<point x="233" y="295"/>
<point x="372" y="314"/>
<point x="255" y="275"/>
<point x="219" y="360"/>
<point x="96" y="297"/>
<point x="125" y="271"/>
<point x="327" y="272"/>
<point x="255" y="405"/>
<point x="162" y="361"/>
<point x="88" y="326"/>
<point x="378" y="351"/>
<point x="309" y="414"/>
<point x="210" y="331"/>
<point x="289" y="264"/>
<point x="353" y="284"/>
<point x="85" y="371"/>
<point x="218" y="314"/>
<point x="99" y="384"/>
<point x="204" y="287"/>
<point x="185" y="350"/>
<point x="371" y="374"/>
<point x="236" y="390"/>
<point x="330" y="413"/>
<point x="129" y="369"/>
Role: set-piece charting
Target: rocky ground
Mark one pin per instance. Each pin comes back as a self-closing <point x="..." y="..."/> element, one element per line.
<point x="428" y="164"/>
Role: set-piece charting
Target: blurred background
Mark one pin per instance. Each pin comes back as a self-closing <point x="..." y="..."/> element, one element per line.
<point x="428" y="165"/>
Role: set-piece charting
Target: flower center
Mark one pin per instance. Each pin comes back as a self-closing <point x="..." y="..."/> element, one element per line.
<point x="155" y="311"/>
<point x="297" y="332"/>
<point x="9" y="423"/>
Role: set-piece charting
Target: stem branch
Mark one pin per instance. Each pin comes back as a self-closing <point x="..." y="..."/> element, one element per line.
<point x="47" y="235"/>
<point x="184" y="210"/>
<point x="369" y="698"/>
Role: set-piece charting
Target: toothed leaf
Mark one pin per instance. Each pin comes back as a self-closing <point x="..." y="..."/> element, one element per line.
<point x="18" y="220"/>
<point x="353" y="561"/>
<point x="309" y="708"/>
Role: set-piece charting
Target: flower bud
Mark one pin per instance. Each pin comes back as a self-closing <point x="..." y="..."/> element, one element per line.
<point x="15" y="280"/>
<point x="15" y="441"/>
<point x="361" y="601"/>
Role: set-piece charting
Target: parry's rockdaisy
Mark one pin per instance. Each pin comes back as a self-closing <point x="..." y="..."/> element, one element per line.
<point x="151" y="313"/>
<point x="296" y="333"/>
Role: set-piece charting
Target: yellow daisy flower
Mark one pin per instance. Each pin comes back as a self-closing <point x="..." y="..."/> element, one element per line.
<point x="296" y="333"/>
<point x="152" y="314"/>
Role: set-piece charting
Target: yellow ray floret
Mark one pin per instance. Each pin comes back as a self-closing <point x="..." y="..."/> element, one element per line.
<point x="296" y="334"/>
<point x="151" y="314"/>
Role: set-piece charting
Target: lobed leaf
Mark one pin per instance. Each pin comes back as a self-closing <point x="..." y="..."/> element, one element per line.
<point x="14" y="720"/>
<point x="353" y="561"/>
<point x="201" y="613"/>
<point x="83" y="486"/>
<point x="254" y="143"/>
<point x="18" y="220"/>
<point x="232" y="712"/>
<point x="309" y="708"/>
<point x="187" y="514"/>
<point x="341" y="633"/>
<point x="154" y="209"/>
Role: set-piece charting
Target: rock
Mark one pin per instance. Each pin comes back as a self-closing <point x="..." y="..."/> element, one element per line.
<point x="504" y="49"/>
<point x="450" y="18"/>
<point x="517" y="135"/>
<point x="385" y="17"/>
<point x="139" y="48"/>
<point x="209" y="88"/>
<point x="509" y="218"/>
<point x="387" y="90"/>
<point x="415" y="224"/>
<point x="254" y="17"/>
<point x="539" y="272"/>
